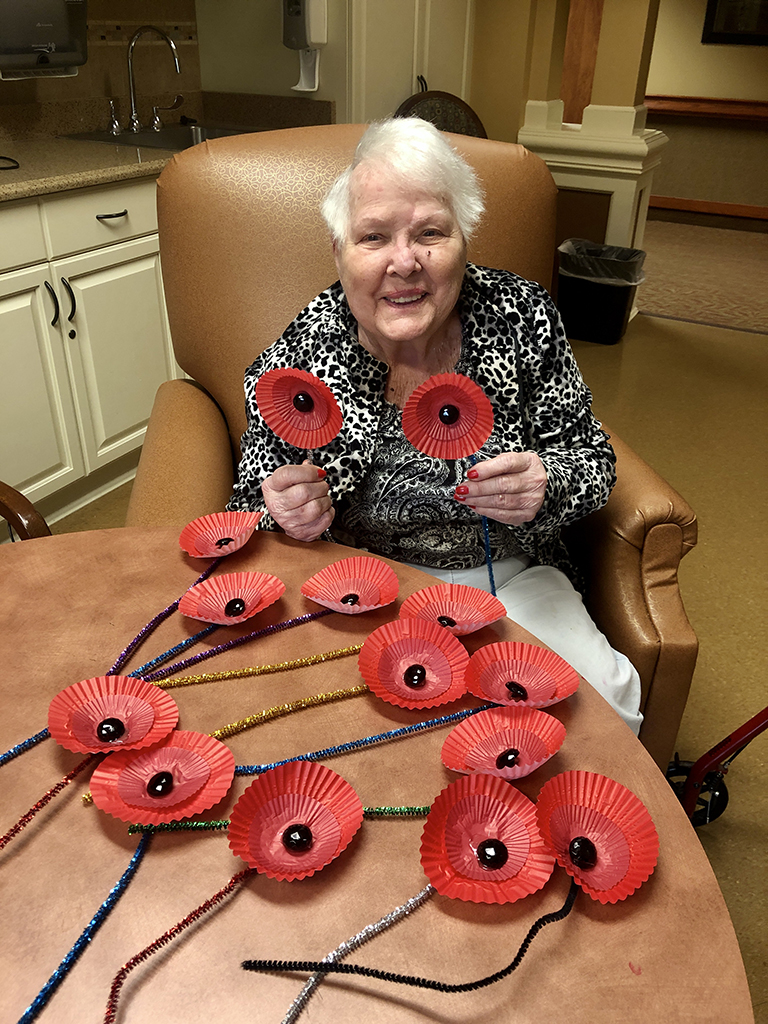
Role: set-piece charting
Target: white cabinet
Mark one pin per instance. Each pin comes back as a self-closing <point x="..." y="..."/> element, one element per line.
<point x="117" y="343"/>
<point x="40" y="450"/>
<point x="84" y="335"/>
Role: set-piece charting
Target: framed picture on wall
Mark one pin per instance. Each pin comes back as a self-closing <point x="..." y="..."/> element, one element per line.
<point x="743" y="22"/>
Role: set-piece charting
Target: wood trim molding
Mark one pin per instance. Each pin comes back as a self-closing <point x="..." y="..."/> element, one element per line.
<point x="702" y="106"/>
<point x="705" y="206"/>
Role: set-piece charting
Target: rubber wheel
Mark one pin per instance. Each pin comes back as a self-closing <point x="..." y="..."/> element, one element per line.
<point x="713" y="796"/>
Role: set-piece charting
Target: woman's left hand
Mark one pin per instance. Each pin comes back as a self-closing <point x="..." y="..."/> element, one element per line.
<point x="509" y="488"/>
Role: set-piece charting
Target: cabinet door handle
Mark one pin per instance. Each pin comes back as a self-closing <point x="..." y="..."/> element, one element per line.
<point x="72" y="300"/>
<point x="52" y="293"/>
<point x="111" y="216"/>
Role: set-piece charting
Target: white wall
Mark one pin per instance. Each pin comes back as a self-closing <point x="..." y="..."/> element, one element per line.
<point x="682" y="65"/>
<point x="241" y="50"/>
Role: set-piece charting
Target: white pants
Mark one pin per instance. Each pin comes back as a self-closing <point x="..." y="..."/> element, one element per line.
<point x="542" y="600"/>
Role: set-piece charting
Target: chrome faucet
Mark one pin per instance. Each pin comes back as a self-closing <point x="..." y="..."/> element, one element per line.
<point x="135" y="124"/>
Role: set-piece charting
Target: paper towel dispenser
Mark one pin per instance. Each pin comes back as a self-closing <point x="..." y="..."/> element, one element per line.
<point x="42" y="38"/>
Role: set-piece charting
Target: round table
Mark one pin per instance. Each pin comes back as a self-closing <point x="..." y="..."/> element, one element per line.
<point x="70" y="604"/>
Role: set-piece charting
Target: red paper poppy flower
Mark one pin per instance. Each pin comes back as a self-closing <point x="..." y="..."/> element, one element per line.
<point x="508" y="742"/>
<point x="185" y="774"/>
<point x="448" y="417"/>
<point x="353" y="585"/>
<point x="458" y="608"/>
<point x="517" y="673"/>
<point x="231" y="598"/>
<point x="600" y="832"/>
<point x="294" y="819"/>
<point x="111" y="712"/>
<point x="414" y="664"/>
<point x="481" y="842"/>
<point x="218" y="534"/>
<point x="298" y="407"/>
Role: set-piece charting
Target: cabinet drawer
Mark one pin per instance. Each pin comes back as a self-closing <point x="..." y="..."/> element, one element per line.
<point x="83" y="220"/>
<point x="21" y="235"/>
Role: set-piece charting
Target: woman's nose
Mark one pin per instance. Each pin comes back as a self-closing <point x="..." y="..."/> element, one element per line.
<point x="403" y="260"/>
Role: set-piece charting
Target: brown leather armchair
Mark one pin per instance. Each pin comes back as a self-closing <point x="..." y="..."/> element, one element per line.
<point x="244" y="248"/>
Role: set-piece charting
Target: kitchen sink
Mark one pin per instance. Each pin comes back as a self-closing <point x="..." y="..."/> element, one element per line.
<point x="172" y="136"/>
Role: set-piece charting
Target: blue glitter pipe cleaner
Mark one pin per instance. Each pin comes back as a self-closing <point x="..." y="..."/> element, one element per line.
<point x="43" y="997"/>
<point x="367" y="741"/>
<point x="486" y="542"/>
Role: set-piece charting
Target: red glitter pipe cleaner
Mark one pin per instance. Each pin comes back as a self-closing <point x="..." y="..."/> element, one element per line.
<point x="162" y="940"/>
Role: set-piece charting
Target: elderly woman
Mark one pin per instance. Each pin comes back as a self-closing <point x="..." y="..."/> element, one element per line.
<point x="407" y="306"/>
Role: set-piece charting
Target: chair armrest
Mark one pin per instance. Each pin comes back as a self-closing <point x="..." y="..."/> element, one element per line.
<point x="186" y="467"/>
<point x="21" y="514"/>
<point x="630" y="551"/>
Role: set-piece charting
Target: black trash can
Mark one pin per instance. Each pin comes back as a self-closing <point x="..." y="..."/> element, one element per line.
<point x="596" y="287"/>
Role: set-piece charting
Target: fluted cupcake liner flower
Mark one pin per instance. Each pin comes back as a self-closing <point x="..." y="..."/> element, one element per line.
<point x="517" y="673"/>
<point x="508" y="742"/>
<point x="448" y="417"/>
<point x="185" y="774"/>
<point x="231" y="598"/>
<point x="414" y="664"/>
<point x="218" y="534"/>
<point x="600" y="832"/>
<point x="353" y="585"/>
<point x="481" y="842"/>
<point x="107" y="713"/>
<point x="455" y="606"/>
<point x="294" y="820"/>
<point x="299" y="407"/>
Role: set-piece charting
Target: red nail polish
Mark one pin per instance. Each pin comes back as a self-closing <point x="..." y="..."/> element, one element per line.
<point x="472" y="474"/>
<point x="462" y="490"/>
<point x="321" y="474"/>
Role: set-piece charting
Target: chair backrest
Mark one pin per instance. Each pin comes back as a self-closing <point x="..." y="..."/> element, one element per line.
<point x="244" y="248"/>
<point x="447" y="112"/>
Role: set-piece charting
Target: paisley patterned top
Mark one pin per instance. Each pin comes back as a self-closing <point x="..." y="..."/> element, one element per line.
<point x="514" y="348"/>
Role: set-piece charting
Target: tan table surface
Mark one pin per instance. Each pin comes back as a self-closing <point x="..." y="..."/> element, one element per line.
<point x="70" y="604"/>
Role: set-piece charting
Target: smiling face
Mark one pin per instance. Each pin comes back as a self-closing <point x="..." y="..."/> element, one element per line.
<point x="401" y="265"/>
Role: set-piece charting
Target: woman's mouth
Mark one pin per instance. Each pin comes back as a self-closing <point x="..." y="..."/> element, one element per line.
<point x="405" y="300"/>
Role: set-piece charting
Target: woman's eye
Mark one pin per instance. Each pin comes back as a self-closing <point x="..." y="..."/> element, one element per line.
<point x="371" y="238"/>
<point x="431" y="233"/>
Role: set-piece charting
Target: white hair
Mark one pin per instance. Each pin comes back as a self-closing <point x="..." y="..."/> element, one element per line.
<point x="415" y="152"/>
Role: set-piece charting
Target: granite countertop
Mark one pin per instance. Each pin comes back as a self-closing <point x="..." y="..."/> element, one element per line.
<point x="49" y="164"/>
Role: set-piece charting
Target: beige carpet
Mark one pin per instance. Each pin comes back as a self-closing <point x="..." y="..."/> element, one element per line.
<point x="706" y="274"/>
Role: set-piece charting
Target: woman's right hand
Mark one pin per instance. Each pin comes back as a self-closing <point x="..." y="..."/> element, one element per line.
<point x="298" y="499"/>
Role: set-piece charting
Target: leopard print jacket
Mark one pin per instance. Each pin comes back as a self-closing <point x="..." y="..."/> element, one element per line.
<point x="515" y="346"/>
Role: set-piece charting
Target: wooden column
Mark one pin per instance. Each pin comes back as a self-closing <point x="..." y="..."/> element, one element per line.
<point x="580" y="58"/>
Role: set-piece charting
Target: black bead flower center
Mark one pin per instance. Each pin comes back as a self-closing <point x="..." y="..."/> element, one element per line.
<point x="350" y="599"/>
<point x="507" y="758"/>
<point x="516" y="691"/>
<point x="445" y="620"/>
<point x="492" y="854"/>
<point x="449" y="415"/>
<point x="160" y="784"/>
<point x="302" y="402"/>
<point x="298" y="838"/>
<point x="234" y="607"/>
<point x="110" y="729"/>
<point x="224" y="540"/>
<point x="583" y="853"/>
<point x="415" y="676"/>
